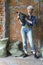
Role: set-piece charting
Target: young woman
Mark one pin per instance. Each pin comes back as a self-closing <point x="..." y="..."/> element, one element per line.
<point x="26" y="30"/>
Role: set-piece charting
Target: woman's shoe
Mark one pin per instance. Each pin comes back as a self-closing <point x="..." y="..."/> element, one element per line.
<point x="25" y="55"/>
<point x="33" y="52"/>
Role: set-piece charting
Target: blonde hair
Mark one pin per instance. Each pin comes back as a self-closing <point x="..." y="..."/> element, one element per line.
<point x="30" y="7"/>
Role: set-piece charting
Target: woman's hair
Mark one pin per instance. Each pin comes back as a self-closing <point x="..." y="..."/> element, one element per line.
<point x="30" y="7"/>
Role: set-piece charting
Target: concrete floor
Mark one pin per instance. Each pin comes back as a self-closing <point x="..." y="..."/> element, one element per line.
<point x="20" y="61"/>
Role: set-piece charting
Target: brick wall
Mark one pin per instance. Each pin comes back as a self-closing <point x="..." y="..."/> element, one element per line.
<point x="20" y="5"/>
<point x="2" y="18"/>
<point x="17" y="5"/>
<point x="12" y="24"/>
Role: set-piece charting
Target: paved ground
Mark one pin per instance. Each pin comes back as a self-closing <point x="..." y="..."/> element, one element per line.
<point x="21" y="61"/>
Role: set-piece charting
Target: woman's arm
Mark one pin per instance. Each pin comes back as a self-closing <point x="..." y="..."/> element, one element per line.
<point x="28" y="21"/>
<point x="19" y="19"/>
<point x="33" y="21"/>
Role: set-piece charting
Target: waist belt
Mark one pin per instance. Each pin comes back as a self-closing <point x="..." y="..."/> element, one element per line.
<point x="27" y="26"/>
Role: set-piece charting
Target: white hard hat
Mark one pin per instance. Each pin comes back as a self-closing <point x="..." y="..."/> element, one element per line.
<point x="30" y="7"/>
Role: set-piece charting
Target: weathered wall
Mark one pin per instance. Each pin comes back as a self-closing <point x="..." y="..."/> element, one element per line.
<point x="2" y="17"/>
<point x="17" y="5"/>
<point x="13" y="25"/>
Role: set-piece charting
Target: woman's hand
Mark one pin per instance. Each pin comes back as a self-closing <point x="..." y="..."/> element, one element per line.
<point x="19" y="19"/>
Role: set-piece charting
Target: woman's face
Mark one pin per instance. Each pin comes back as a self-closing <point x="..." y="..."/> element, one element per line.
<point x="29" y="11"/>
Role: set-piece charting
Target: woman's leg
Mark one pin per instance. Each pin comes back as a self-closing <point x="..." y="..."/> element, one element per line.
<point x="29" y="34"/>
<point x="24" y="40"/>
